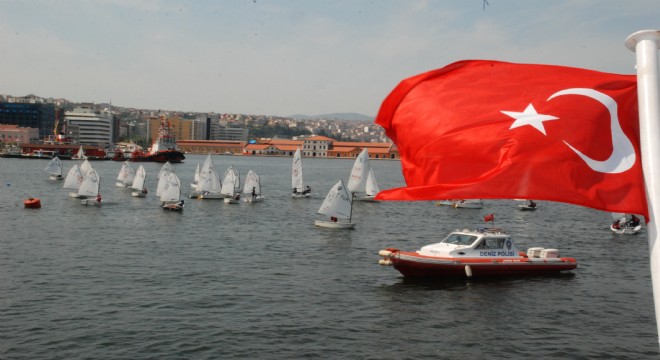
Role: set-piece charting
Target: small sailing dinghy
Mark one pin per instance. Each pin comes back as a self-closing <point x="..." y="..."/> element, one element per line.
<point x="54" y="168"/>
<point x="338" y="205"/>
<point x="90" y="188"/>
<point x="231" y="186"/>
<point x="625" y="224"/>
<point x="163" y="175"/>
<point x="299" y="191"/>
<point x="195" y="178"/>
<point x="73" y="180"/>
<point x="527" y="205"/>
<point x="252" y="188"/>
<point x="139" y="190"/>
<point x="80" y="155"/>
<point x="170" y="198"/>
<point x="126" y="175"/>
<point x="362" y="182"/>
<point x="209" y="184"/>
<point x="469" y="204"/>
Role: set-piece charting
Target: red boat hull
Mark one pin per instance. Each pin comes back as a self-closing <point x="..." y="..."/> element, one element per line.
<point x="411" y="264"/>
<point x="173" y="156"/>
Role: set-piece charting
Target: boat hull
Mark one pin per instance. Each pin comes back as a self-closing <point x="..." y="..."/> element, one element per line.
<point x="334" y="225"/>
<point x="163" y="156"/>
<point x="173" y="207"/>
<point x="626" y="230"/>
<point x="411" y="264"/>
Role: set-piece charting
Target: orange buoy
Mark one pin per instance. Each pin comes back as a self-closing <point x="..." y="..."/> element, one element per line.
<point x="32" y="203"/>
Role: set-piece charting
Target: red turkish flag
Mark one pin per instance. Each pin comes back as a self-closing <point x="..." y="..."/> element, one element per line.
<point x="496" y="130"/>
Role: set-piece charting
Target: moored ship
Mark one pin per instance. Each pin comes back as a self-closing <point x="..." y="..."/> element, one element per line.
<point x="162" y="150"/>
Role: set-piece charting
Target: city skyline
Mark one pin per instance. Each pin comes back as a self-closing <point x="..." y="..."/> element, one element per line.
<point x="283" y="58"/>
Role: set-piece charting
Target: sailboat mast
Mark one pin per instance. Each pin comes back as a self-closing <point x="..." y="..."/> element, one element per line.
<point x="350" y="213"/>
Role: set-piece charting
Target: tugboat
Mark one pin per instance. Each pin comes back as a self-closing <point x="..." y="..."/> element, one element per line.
<point x="479" y="253"/>
<point x="162" y="150"/>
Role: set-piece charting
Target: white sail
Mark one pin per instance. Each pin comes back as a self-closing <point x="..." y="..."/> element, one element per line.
<point x="337" y="203"/>
<point x="73" y="179"/>
<point x="196" y="177"/>
<point x="126" y="174"/>
<point x="166" y="168"/>
<point x="252" y="181"/>
<point x="80" y="155"/>
<point x="231" y="183"/>
<point x="237" y="177"/>
<point x="85" y="167"/>
<point x="371" y="188"/>
<point x="172" y="189"/>
<point x="208" y="178"/>
<point x="296" y="172"/>
<point x="54" y="166"/>
<point x="138" y="181"/>
<point x="90" y="185"/>
<point x="163" y="175"/>
<point x="358" y="179"/>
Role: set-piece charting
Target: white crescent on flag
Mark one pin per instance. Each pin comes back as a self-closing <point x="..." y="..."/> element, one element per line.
<point x="623" y="153"/>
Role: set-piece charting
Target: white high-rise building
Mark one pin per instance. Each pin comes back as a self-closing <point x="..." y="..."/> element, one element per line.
<point x="93" y="127"/>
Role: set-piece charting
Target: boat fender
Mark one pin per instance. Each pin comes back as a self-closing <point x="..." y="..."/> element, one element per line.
<point x="384" y="253"/>
<point x="468" y="271"/>
<point x="385" y="262"/>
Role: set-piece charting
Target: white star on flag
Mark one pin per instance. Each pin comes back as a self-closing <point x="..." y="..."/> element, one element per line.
<point x="529" y="117"/>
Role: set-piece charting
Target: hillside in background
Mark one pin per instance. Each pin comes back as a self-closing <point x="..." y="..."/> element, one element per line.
<point x="334" y="116"/>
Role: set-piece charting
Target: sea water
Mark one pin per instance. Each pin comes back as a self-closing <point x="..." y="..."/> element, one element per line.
<point x="128" y="280"/>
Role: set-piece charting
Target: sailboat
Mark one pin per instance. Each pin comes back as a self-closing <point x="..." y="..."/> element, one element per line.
<point x="299" y="191"/>
<point x="195" y="177"/>
<point x="139" y="190"/>
<point x="468" y="204"/>
<point x="362" y="176"/>
<point x="170" y="199"/>
<point x="74" y="179"/>
<point x="90" y="188"/>
<point x="209" y="184"/>
<point x="54" y="168"/>
<point x="339" y="206"/>
<point x="526" y="205"/>
<point x="231" y="186"/>
<point x="371" y="189"/>
<point x="163" y="175"/>
<point x="126" y="175"/>
<point x="625" y="224"/>
<point x="80" y="155"/>
<point x="252" y="188"/>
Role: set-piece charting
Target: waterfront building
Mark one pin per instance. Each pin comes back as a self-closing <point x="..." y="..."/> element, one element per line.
<point x="13" y="134"/>
<point x="179" y="128"/>
<point x="316" y="146"/>
<point x="29" y="114"/>
<point x="225" y="147"/>
<point x="88" y="126"/>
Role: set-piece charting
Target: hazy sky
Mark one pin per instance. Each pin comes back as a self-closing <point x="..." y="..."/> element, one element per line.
<point x="291" y="57"/>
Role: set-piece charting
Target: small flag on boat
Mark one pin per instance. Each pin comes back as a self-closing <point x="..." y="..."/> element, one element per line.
<point x="489" y="217"/>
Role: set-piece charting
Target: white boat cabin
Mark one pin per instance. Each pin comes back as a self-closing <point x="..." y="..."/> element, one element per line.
<point x="491" y="243"/>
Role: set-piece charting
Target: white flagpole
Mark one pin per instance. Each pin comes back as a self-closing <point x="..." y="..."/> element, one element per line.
<point x="645" y="44"/>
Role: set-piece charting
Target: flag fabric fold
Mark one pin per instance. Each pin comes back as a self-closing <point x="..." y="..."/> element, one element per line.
<point x="497" y="130"/>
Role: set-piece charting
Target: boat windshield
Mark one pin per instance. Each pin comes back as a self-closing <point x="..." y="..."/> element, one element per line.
<point x="459" y="239"/>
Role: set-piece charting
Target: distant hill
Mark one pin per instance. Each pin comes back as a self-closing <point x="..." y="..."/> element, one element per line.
<point x="334" y="116"/>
